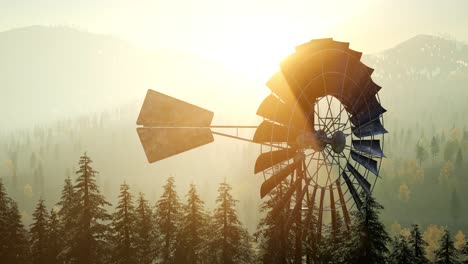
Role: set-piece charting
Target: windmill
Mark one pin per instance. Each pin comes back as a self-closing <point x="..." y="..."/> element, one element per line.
<point x="322" y="132"/>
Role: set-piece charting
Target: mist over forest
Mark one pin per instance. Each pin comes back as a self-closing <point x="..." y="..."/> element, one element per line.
<point x="66" y="92"/>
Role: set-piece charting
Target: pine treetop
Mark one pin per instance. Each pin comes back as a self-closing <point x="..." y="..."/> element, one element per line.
<point x="167" y="219"/>
<point x="39" y="233"/>
<point x="446" y="253"/>
<point x="418" y="245"/>
<point x="123" y="224"/>
<point x="144" y="231"/>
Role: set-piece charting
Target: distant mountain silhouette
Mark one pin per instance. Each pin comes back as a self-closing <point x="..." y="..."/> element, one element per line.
<point x="423" y="56"/>
<point x="50" y="73"/>
<point x="425" y="80"/>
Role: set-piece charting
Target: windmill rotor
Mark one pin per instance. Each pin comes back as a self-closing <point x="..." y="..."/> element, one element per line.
<point x="321" y="136"/>
<point x="324" y="106"/>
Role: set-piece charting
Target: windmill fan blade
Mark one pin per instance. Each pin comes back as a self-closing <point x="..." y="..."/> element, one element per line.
<point x="367" y="94"/>
<point x="160" y="110"/>
<point x="368" y="163"/>
<point x="367" y="112"/>
<point x="275" y="110"/>
<point x="352" y="190"/>
<point x="277" y="178"/>
<point x="271" y="132"/>
<point x="272" y="158"/>
<point x="289" y="115"/>
<point x="369" y="129"/>
<point x="371" y="147"/>
<point x="362" y="181"/>
<point x="160" y="143"/>
<point x="279" y="86"/>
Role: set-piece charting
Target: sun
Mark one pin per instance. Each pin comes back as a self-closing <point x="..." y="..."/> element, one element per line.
<point x="251" y="45"/>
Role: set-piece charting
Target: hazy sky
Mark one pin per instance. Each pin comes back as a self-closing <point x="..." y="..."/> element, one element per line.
<point x="239" y="31"/>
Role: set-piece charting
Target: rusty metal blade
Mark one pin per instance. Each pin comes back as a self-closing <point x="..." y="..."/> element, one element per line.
<point x="294" y="114"/>
<point x="271" y="132"/>
<point x="372" y="128"/>
<point x="280" y="87"/>
<point x="370" y="147"/>
<point x="272" y="158"/>
<point x="352" y="190"/>
<point x="278" y="177"/>
<point x="368" y="163"/>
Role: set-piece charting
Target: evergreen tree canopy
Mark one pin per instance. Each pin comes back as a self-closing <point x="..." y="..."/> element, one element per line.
<point x="464" y="253"/>
<point x="446" y="253"/>
<point x="402" y="253"/>
<point x="193" y="237"/>
<point x="368" y="243"/>
<point x="17" y="247"/>
<point x="144" y="235"/>
<point x="435" y="148"/>
<point x="54" y="239"/>
<point x="39" y="233"/>
<point x="421" y="153"/>
<point x="459" y="160"/>
<point x="4" y="217"/>
<point x="276" y="245"/>
<point x="168" y="216"/>
<point x="123" y="225"/>
<point x="230" y="241"/>
<point x="90" y="230"/>
<point x="66" y="216"/>
<point x="418" y="245"/>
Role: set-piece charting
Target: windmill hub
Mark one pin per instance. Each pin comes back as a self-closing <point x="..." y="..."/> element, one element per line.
<point x="318" y="140"/>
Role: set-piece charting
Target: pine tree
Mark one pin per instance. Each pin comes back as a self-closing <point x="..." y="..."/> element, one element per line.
<point x="144" y="231"/>
<point x="310" y="237"/>
<point x="446" y="253"/>
<point x="193" y="236"/>
<point x="230" y="241"/>
<point x="435" y="148"/>
<point x="4" y="217"/>
<point x="68" y="205"/>
<point x="167" y="221"/>
<point x="402" y="253"/>
<point x="421" y="153"/>
<point x="338" y="237"/>
<point x="90" y="231"/>
<point x="418" y="245"/>
<point x="54" y="239"/>
<point x="275" y="244"/>
<point x="39" y="233"/>
<point x="123" y="225"/>
<point x="450" y="149"/>
<point x="16" y="249"/>
<point x="459" y="161"/>
<point x="368" y="241"/>
<point x="464" y="253"/>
